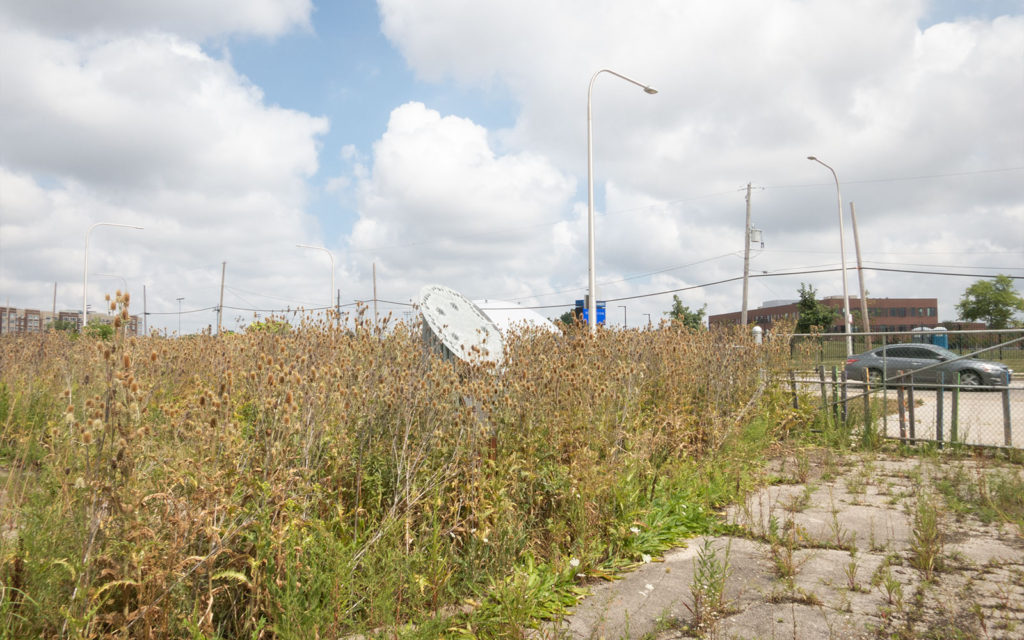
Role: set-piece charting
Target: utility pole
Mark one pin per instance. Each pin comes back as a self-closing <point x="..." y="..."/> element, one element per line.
<point x="337" y="308"/>
<point x="375" y="296"/>
<point x="860" y="277"/>
<point x="746" y="261"/>
<point x="179" y="316"/>
<point x="220" y="307"/>
<point x="145" y="313"/>
<point x="54" y="312"/>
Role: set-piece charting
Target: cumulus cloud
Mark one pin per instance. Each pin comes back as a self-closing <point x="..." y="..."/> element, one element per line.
<point x="115" y="111"/>
<point x="189" y="18"/>
<point x="145" y="128"/>
<point x="437" y="184"/>
<point x="911" y="112"/>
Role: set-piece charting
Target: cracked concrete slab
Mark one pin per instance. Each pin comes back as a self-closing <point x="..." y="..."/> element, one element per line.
<point x="830" y="557"/>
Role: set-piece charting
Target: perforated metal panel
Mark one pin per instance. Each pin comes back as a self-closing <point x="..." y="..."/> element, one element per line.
<point x="509" y="315"/>
<point x="460" y="326"/>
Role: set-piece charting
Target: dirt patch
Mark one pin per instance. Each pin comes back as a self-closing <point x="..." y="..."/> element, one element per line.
<point x="862" y="547"/>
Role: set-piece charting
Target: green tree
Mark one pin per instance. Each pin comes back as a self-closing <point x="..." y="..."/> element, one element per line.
<point x="270" y="325"/>
<point x="64" y="325"/>
<point x="814" y="316"/>
<point x="693" y="319"/>
<point x="101" y="330"/>
<point x="569" y="318"/>
<point x="994" y="301"/>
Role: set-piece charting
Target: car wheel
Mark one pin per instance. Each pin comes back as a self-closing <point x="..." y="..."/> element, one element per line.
<point x="874" y="376"/>
<point x="970" y="379"/>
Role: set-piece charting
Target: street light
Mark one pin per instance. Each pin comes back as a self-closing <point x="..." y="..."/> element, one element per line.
<point x="330" y="299"/>
<point x="124" y="283"/>
<point x="625" y="325"/>
<point x="842" y="250"/>
<point x="179" y="316"/>
<point x="592" y="287"/>
<point x="85" y="269"/>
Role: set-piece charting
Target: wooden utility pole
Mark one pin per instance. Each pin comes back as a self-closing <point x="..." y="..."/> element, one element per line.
<point x="220" y="307"/>
<point x="746" y="260"/>
<point x="860" y="276"/>
<point x="145" y="313"/>
<point x="375" y="295"/>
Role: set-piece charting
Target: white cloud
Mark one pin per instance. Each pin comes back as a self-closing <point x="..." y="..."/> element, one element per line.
<point x="114" y="111"/>
<point x="146" y="129"/>
<point x="440" y="200"/>
<point x="190" y="18"/>
<point x="746" y="91"/>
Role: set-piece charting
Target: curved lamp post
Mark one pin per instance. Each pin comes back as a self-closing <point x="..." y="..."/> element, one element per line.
<point x="124" y="283"/>
<point x="330" y="299"/>
<point x="842" y="250"/>
<point x="85" y="269"/>
<point x="592" y="286"/>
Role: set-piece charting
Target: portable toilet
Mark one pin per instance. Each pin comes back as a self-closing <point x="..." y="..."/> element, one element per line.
<point x="931" y="335"/>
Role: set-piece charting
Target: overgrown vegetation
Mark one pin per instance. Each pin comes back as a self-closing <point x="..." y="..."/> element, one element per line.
<point x="327" y="481"/>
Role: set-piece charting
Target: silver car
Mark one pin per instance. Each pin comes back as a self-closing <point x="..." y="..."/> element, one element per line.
<point x="925" y="364"/>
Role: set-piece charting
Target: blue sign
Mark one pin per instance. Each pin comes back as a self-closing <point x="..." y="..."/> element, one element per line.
<point x="586" y="312"/>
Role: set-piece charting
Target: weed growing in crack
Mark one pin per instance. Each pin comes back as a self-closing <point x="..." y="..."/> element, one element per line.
<point x="890" y="587"/>
<point x="926" y="541"/>
<point x="708" y="589"/>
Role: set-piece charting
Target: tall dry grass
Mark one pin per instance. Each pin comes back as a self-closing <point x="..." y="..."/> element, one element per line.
<point x="324" y="481"/>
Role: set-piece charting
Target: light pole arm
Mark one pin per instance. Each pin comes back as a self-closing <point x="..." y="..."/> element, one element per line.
<point x="85" y="268"/>
<point x="330" y="299"/>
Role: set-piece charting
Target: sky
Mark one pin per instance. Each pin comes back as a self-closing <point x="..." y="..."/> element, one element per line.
<point x="445" y="142"/>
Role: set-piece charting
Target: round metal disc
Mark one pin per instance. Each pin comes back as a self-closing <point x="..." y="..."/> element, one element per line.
<point x="460" y="326"/>
<point x="509" y="315"/>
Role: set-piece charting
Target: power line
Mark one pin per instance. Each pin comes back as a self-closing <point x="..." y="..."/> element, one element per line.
<point x="776" y="275"/>
<point x="902" y="179"/>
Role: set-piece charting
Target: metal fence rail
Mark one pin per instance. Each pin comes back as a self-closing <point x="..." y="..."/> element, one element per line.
<point x="906" y="409"/>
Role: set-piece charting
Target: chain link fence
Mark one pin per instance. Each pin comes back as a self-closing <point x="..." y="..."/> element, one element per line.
<point x="918" y="386"/>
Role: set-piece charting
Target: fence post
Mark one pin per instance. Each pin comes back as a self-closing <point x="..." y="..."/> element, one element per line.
<point x="824" y="393"/>
<point x="910" y="412"/>
<point x="867" y="401"/>
<point x="954" y="419"/>
<point x="901" y="403"/>
<point x="835" y="396"/>
<point x="1007" y="434"/>
<point x="939" y="408"/>
<point x="844" y="384"/>
<point x="792" y="388"/>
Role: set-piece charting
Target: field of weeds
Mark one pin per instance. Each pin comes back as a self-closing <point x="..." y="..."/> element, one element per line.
<point x="324" y="482"/>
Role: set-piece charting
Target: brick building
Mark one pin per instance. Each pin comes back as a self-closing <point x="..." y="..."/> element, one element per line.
<point x="885" y="314"/>
<point x="14" y="320"/>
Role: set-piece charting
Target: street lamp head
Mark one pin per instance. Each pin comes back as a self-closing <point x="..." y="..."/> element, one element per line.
<point x="812" y="158"/>
<point x="650" y="90"/>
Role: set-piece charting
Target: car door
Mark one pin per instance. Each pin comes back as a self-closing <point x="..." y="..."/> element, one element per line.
<point x="901" y="359"/>
<point x="921" y="357"/>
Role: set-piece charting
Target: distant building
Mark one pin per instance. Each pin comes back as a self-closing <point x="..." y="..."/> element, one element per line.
<point x="885" y="314"/>
<point x="14" y="320"/>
